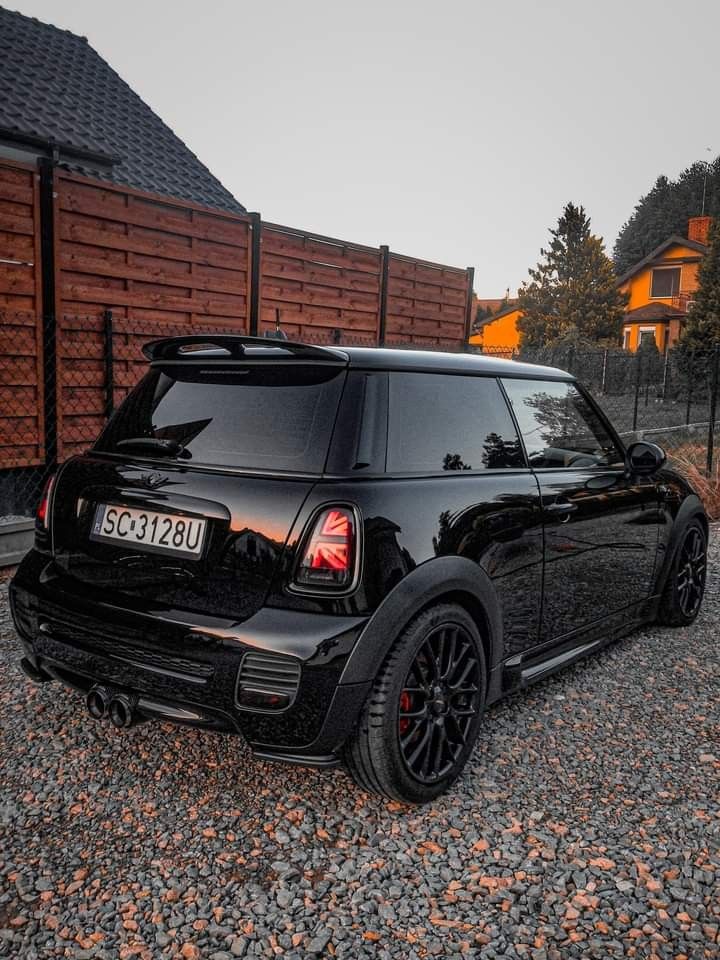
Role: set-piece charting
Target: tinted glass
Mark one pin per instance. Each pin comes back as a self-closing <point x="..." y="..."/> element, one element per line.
<point x="440" y="422"/>
<point x="559" y="426"/>
<point x="259" y="417"/>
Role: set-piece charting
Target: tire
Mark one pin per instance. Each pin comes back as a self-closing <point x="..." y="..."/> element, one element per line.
<point x="685" y="586"/>
<point x="442" y="722"/>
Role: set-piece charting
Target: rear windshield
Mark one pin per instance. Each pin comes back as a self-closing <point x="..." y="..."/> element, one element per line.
<point x="257" y="417"/>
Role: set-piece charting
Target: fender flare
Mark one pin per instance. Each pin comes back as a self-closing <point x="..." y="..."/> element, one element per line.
<point x="690" y="509"/>
<point x="428" y="582"/>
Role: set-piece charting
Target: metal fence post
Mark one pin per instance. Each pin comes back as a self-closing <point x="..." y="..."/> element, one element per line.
<point x="384" y="274"/>
<point x="665" y="375"/>
<point x="109" y="363"/>
<point x="470" y="274"/>
<point x="47" y="260"/>
<point x="604" y="371"/>
<point x="713" y="409"/>
<point x="570" y="359"/>
<point x="255" y="238"/>
<point x="638" y="371"/>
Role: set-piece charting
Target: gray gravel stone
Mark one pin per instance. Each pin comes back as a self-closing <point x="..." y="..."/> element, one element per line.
<point x="587" y="825"/>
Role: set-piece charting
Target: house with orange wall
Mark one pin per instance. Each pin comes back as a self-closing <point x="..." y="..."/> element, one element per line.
<point x="660" y="288"/>
<point x="499" y="333"/>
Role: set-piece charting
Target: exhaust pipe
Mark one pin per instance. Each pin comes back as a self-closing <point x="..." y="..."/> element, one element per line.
<point x="97" y="701"/>
<point x="122" y="711"/>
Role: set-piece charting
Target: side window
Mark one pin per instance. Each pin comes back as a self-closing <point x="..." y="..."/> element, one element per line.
<point x="559" y="426"/>
<point x="442" y="422"/>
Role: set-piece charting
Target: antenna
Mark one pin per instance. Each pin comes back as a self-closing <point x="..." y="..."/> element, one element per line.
<point x="707" y="164"/>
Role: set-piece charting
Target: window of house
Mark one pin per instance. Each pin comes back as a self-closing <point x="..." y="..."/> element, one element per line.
<point x="440" y="422"/>
<point x="626" y="338"/>
<point x="560" y="426"/>
<point x="646" y="337"/>
<point x="665" y="282"/>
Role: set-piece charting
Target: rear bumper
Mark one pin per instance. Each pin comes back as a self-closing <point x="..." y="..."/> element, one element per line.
<point x="185" y="669"/>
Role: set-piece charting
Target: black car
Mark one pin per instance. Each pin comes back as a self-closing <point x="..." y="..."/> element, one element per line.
<point x="344" y="555"/>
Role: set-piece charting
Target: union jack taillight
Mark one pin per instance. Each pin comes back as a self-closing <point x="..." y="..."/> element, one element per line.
<point x="328" y="557"/>
<point x="42" y="517"/>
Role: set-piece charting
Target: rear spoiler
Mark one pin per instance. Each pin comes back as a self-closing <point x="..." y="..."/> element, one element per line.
<point x="229" y="347"/>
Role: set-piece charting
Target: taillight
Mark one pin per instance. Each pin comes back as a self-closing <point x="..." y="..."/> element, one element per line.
<point x="42" y="517"/>
<point x="329" y="553"/>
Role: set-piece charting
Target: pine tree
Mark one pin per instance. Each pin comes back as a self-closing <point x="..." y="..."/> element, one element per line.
<point x="665" y="211"/>
<point x="702" y="330"/>
<point x="481" y="315"/>
<point x="572" y="292"/>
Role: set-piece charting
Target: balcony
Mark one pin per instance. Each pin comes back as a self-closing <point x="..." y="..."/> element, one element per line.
<point x="682" y="300"/>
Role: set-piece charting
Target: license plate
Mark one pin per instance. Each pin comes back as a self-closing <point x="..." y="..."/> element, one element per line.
<point x="157" y="532"/>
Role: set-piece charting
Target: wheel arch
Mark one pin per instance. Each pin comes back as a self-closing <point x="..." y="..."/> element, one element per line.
<point x="442" y="580"/>
<point x="690" y="509"/>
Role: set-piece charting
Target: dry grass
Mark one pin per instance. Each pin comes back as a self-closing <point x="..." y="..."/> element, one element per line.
<point x="690" y="460"/>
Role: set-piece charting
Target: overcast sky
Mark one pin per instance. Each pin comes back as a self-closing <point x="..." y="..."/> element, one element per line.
<point x="453" y="131"/>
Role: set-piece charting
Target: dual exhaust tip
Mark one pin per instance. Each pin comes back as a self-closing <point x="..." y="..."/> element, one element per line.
<point x="119" y="708"/>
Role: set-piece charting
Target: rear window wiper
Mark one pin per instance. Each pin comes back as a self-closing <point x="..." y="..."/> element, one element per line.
<point x="154" y="446"/>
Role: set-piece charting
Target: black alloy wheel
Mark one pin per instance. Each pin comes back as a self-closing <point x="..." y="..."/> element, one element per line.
<point x="423" y="713"/>
<point x="691" y="572"/>
<point x="685" y="585"/>
<point x="438" y="702"/>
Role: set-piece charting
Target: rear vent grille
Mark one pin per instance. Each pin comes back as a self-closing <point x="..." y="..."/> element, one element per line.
<point x="267" y="681"/>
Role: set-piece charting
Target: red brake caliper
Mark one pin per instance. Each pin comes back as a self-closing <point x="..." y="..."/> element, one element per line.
<point x="405" y="704"/>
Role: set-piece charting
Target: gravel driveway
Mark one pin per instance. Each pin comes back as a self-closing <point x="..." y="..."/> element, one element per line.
<point x="587" y="825"/>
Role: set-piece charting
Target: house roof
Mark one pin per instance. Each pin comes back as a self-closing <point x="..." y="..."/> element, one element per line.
<point x="511" y="307"/>
<point x="59" y="92"/>
<point x="653" y="312"/>
<point x="675" y="240"/>
<point x="492" y="304"/>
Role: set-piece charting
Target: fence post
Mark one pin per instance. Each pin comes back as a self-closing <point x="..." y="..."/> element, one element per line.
<point x="638" y="372"/>
<point x="470" y="273"/>
<point x="665" y="374"/>
<point x="570" y="358"/>
<point x="384" y="273"/>
<point x="713" y="408"/>
<point x="109" y="363"/>
<point x="255" y="238"/>
<point x="604" y="370"/>
<point x="49" y="319"/>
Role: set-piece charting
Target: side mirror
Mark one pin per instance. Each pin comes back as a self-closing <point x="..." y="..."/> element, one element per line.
<point x="644" y="457"/>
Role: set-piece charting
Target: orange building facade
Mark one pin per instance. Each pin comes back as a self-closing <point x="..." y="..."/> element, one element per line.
<point x="499" y="334"/>
<point x="660" y="288"/>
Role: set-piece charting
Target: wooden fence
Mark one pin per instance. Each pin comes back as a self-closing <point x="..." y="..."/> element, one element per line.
<point x="21" y="350"/>
<point x="427" y="303"/>
<point x="158" y="267"/>
<point x="315" y="285"/>
<point x="162" y="267"/>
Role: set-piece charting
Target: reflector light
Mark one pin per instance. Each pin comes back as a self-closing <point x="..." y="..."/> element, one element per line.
<point x="328" y="557"/>
<point x="44" y="505"/>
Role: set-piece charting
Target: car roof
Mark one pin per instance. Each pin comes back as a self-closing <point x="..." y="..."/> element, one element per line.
<point x="381" y="358"/>
<point x="236" y="348"/>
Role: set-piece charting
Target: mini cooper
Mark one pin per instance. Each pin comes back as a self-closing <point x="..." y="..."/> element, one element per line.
<point x="345" y="555"/>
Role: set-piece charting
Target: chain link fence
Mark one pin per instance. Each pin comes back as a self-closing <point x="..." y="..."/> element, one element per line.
<point x="670" y="398"/>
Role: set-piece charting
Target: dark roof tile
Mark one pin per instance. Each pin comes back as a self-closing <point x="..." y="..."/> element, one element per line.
<point x="56" y="87"/>
<point x="652" y="311"/>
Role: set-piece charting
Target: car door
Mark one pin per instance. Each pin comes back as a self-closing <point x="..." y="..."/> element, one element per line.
<point x="601" y="525"/>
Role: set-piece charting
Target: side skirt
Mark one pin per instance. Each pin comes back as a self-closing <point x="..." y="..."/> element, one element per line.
<point x="523" y="670"/>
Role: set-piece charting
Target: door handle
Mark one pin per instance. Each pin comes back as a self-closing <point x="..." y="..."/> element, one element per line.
<point x="561" y="510"/>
